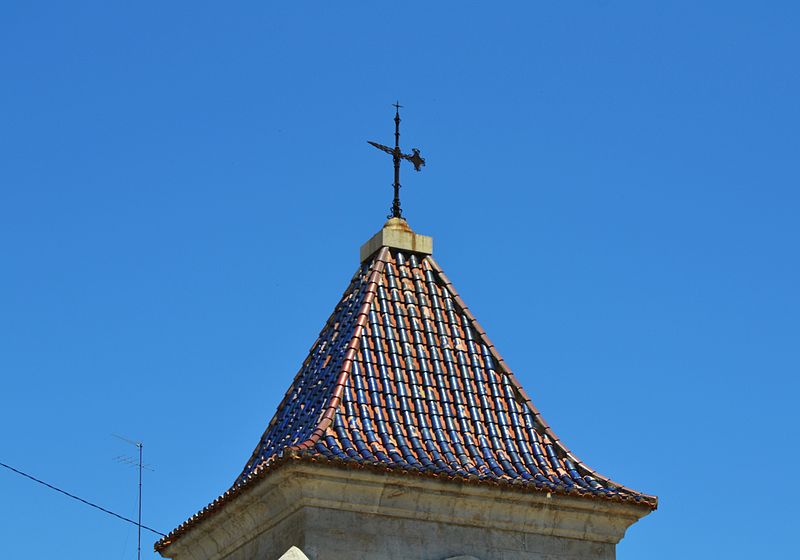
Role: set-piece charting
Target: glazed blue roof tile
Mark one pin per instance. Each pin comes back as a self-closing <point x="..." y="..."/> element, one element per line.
<point x="402" y="376"/>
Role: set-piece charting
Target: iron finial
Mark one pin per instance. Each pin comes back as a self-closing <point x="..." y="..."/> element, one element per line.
<point x="397" y="155"/>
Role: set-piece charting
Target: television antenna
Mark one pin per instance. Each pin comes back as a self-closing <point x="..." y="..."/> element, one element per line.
<point x="135" y="462"/>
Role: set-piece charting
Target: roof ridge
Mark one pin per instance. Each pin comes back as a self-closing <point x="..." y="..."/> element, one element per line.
<point x="252" y="464"/>
<point x="526" y="400"/>
<point x="326" y="418"/>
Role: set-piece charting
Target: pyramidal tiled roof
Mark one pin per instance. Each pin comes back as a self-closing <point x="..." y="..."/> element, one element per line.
<point x="403" y="378"/>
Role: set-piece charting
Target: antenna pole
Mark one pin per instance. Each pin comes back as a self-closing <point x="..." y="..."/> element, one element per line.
<point x="139" y="527"/>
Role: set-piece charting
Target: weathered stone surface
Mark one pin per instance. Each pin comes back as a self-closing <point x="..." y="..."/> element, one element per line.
<point x="397" y="234"/>
<point x="332" y="513"/>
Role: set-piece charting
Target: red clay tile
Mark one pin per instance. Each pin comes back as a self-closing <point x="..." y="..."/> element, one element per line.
<point x="424" y="390"/>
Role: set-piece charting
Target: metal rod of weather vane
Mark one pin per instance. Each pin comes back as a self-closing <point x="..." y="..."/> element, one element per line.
<point x="396" y="211"/>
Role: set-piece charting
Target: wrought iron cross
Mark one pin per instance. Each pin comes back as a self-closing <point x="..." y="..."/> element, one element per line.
<point x="417" y="160"/>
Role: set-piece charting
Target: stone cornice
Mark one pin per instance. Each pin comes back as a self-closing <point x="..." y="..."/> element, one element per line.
<point x="298" y="485"/>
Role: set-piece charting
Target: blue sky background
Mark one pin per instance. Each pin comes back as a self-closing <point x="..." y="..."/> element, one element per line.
<point x="612" y="186"/>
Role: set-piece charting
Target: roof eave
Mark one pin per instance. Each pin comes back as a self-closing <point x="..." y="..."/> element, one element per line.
<point x="641" y="500"/>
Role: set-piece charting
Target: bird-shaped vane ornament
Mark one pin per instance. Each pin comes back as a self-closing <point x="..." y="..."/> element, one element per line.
<point x="397" y="155"/>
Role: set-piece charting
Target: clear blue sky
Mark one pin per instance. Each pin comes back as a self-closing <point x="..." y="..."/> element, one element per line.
<point x="612" y="186"/>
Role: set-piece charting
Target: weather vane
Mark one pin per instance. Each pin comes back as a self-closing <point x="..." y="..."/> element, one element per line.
<point x="397" y="155"/>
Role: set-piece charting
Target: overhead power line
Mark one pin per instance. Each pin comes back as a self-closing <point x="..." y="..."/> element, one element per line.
<point x="74" y="497"/>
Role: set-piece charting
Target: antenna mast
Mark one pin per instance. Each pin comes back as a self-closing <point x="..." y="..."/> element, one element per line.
<point x="140" y="465"/>
<point x="140" y="445"/>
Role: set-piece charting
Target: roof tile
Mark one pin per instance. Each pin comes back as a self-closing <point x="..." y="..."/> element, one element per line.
<point x="403" y="378"/>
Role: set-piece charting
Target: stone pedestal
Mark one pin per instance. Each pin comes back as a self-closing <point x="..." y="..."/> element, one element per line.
<point x="398" y="235"/>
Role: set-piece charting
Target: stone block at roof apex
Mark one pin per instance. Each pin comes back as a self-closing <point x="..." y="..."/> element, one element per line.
<point x="397" y="234"/>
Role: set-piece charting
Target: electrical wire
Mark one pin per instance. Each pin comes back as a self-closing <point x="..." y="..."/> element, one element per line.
<point x="74" y="497"/>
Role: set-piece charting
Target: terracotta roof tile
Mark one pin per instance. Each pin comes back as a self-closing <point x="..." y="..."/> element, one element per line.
<point x="402" y="377"/>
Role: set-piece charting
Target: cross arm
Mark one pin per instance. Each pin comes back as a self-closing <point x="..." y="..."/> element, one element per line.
<point x="415" y="159"/>
<point x="386" y="149"/>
